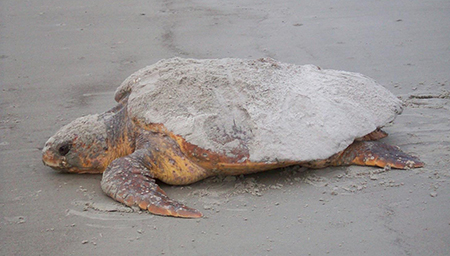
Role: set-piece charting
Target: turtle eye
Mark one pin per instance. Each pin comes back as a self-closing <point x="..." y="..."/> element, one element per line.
<point x="64" y="149"/>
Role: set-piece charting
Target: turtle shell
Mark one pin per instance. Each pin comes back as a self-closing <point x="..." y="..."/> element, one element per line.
<point x="268" y="110"/>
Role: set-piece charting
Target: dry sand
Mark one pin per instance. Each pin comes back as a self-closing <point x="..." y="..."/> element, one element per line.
<point x="61" y="60"/>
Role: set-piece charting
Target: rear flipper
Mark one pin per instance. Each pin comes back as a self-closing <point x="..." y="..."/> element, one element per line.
<point x="128" y="181"/>
<point x="375" y="153"/>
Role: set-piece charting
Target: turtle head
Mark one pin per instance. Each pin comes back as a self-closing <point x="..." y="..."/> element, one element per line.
<point x="79" y="147"/>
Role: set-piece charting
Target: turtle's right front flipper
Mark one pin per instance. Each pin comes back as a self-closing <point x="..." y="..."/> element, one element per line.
<point x="128" y="181"/>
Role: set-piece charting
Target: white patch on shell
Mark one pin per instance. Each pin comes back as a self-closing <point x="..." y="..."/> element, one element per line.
<point x="275" y="111"/>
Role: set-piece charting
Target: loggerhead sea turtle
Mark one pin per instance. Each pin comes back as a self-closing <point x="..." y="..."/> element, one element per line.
<point x="182" y="120"/>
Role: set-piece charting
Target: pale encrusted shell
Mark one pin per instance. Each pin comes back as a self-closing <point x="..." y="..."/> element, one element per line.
<point x="272" y="110"/>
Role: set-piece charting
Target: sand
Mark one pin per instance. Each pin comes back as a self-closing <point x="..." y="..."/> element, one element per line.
<point x="63" y="60"/>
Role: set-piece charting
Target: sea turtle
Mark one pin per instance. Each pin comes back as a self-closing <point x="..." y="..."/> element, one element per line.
<point x="183" y="120"/>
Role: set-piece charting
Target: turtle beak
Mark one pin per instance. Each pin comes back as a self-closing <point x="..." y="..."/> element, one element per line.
<point x="48" y="157"/>
<point x="51" y="159"/>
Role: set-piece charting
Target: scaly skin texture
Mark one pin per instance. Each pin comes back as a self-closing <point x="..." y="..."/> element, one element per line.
<point x="89" y="144"/>
<point x="132" y="154"/>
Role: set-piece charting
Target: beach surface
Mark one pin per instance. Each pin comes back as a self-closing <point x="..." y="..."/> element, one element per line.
<point x="62" y="60"/>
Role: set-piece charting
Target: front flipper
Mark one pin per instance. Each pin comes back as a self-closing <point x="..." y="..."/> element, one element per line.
<point x="128" y="181"/>
<point x="375" y="153"/>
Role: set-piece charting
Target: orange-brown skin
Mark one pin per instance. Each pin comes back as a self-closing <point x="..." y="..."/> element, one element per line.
<point x="135" y="154"/>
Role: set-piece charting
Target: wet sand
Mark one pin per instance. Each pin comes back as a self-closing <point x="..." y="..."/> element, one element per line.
<point x="59" y="61"/>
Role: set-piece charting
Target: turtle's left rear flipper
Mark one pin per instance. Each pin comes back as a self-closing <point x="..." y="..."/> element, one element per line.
<point x="128" y="181"/>
<point x="375" y="153"/>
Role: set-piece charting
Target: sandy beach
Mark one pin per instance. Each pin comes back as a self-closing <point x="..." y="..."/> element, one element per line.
<point x="62" y="60"/>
